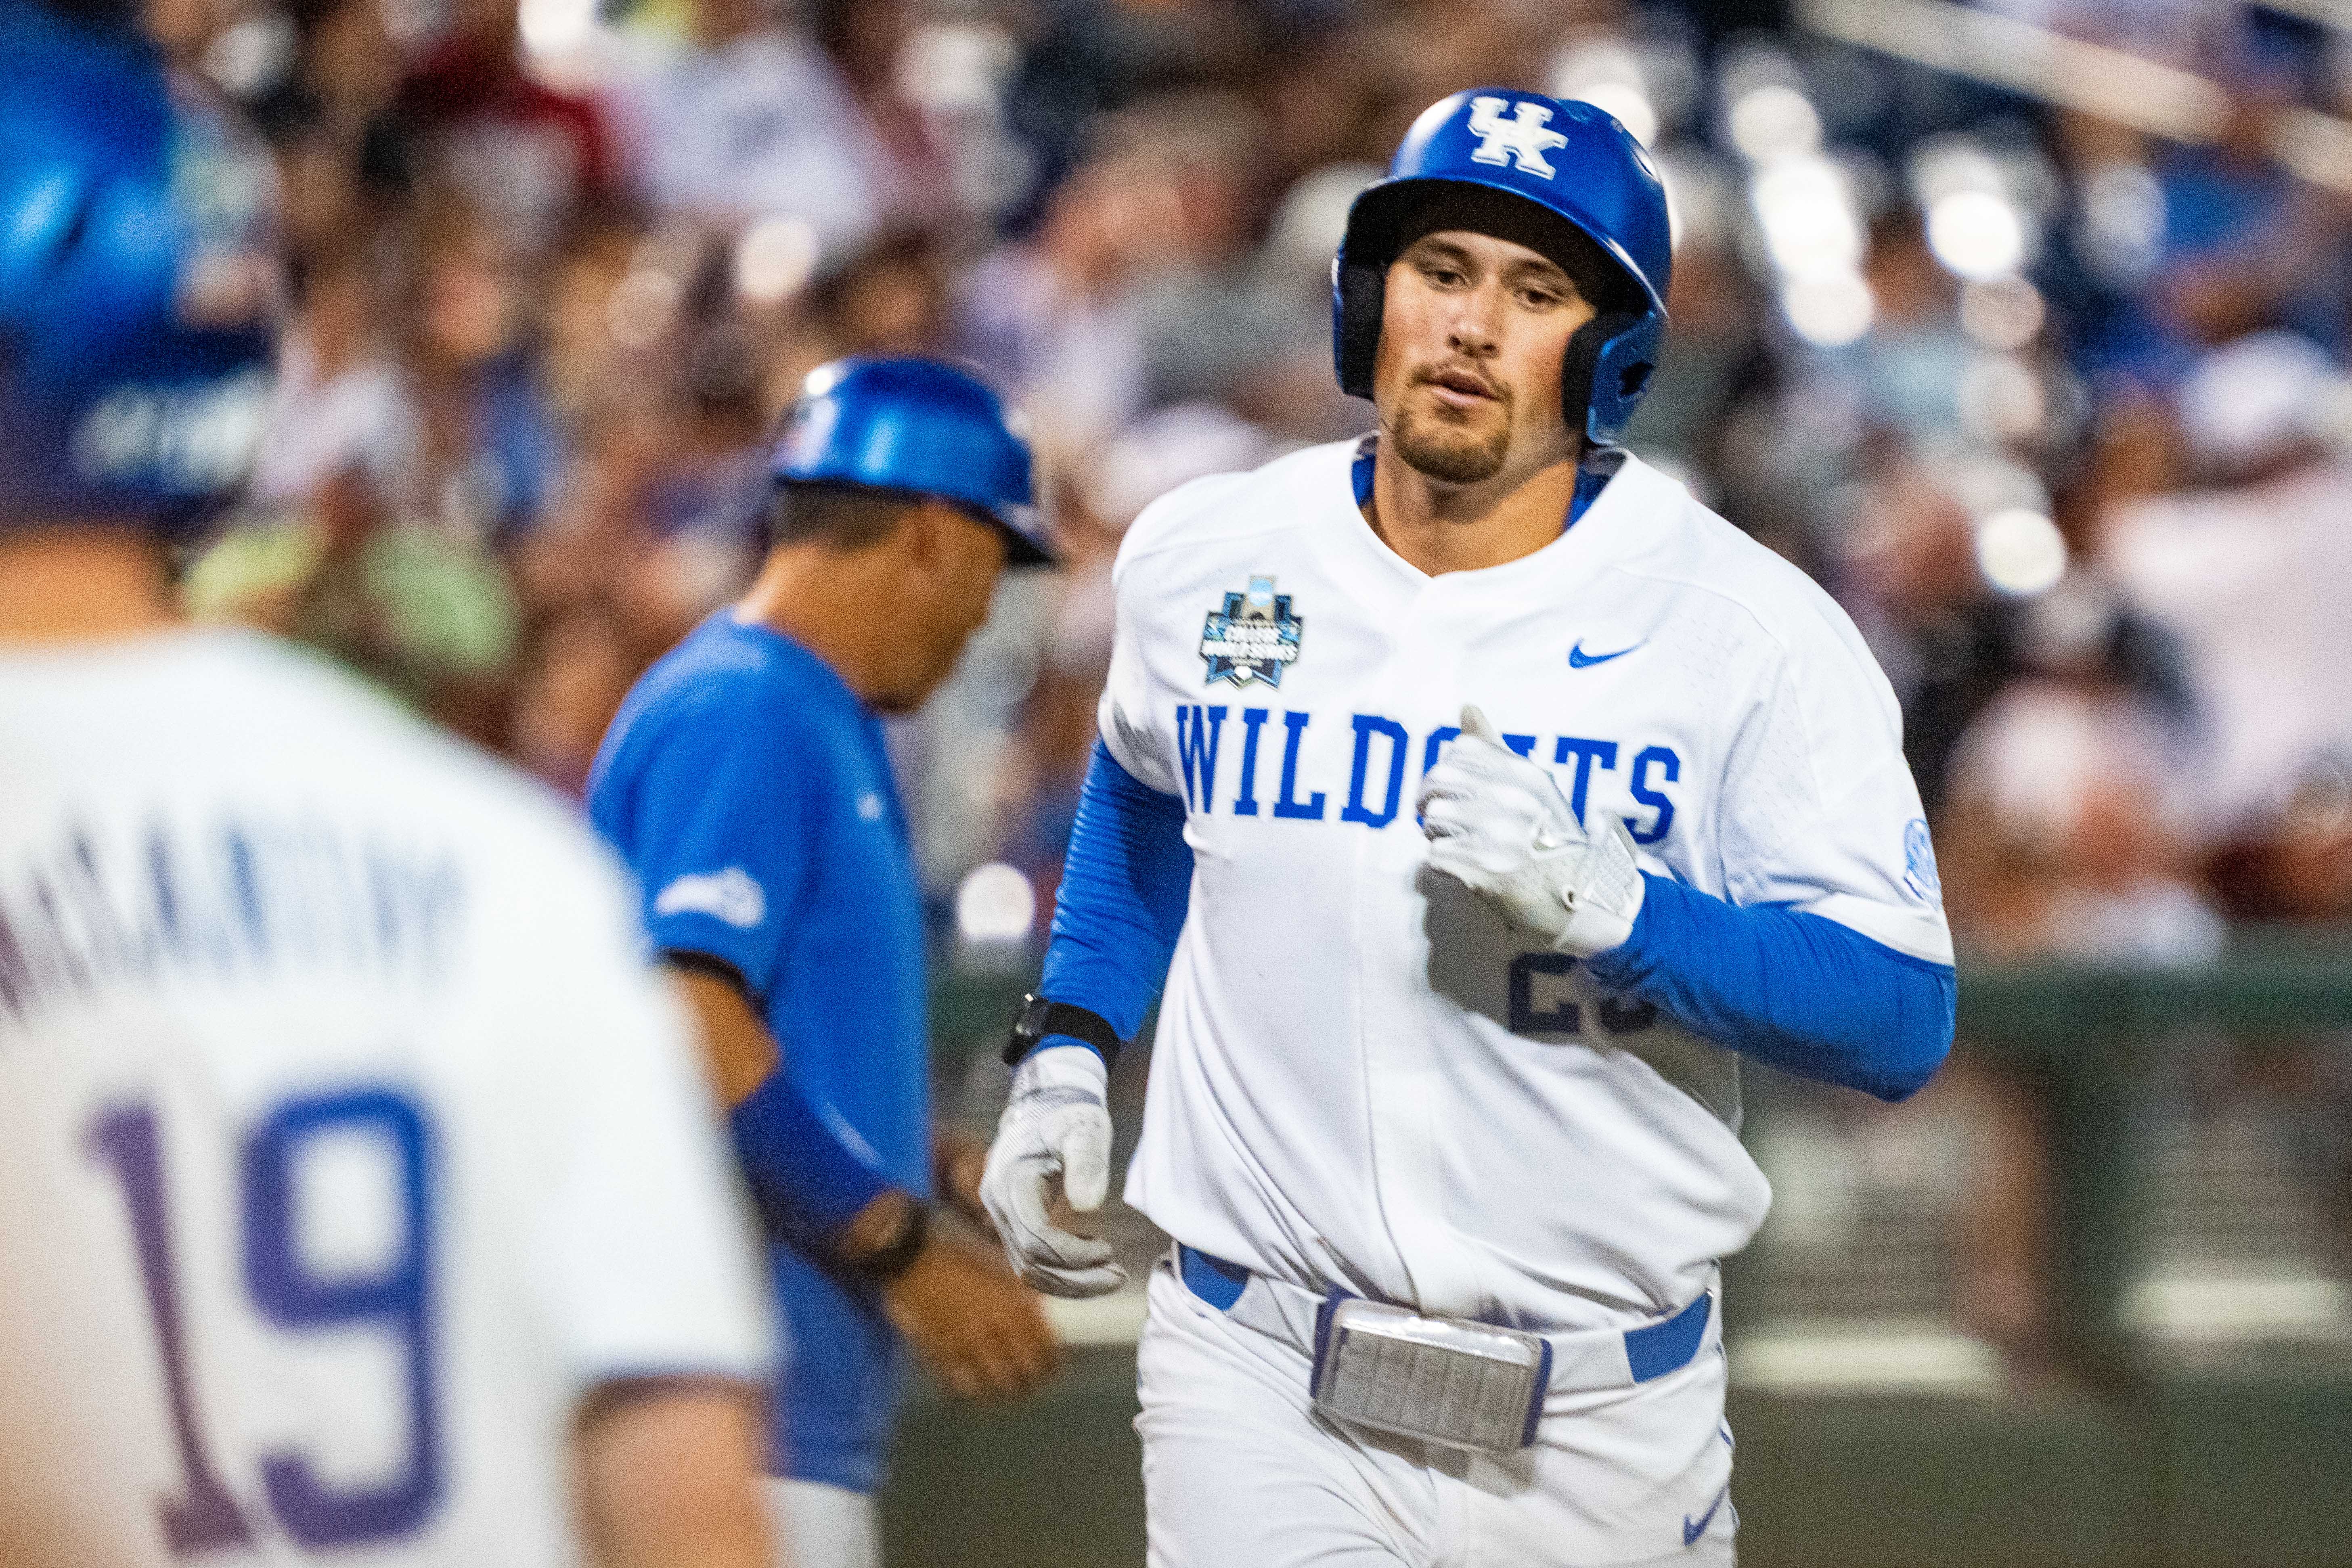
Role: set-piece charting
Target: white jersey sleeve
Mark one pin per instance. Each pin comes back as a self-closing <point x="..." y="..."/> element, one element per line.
<point x="1819" y="809"/>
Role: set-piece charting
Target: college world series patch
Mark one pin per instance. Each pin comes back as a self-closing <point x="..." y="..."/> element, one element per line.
<point x="1253" y="637"/>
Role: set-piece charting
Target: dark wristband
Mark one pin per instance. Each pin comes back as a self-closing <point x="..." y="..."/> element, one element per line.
<point x="805" y="1183"/>
<point x="1039" y="1018"/>
<point x="898" y="1255"/>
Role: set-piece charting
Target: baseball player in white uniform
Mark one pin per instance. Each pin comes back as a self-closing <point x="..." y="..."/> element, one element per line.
<point x="1482" y="798"/>
<point x="360" y="1197"/>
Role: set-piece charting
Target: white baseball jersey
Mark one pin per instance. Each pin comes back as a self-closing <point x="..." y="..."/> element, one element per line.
<point x="346" y="1141"/>
<point x="1361" y="1077"/>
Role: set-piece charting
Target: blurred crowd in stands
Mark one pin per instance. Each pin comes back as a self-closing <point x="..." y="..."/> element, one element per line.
<point x="2054" y="402"/>
<point x="2055" y="407"/>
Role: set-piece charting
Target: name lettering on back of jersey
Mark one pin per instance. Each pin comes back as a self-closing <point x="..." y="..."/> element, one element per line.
<point x="1271" y="776"/>
<point x="730" y="895"/>
<point x="224" y="903"/>
<point x="1526" y="135"/>
<point x="1253" y="637"/>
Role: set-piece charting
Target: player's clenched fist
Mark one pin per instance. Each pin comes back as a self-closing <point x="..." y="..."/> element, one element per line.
<point x="1057" y="1123"/>
<point x="1499" y="825"/>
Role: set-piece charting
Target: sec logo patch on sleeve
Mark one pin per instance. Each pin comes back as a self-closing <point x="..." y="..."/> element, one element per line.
<point x="730" y="895"/>
<point x="1919" y="862"/>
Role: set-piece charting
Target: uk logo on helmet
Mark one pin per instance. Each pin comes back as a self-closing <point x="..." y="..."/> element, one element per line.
<point x="1526" y="136"/>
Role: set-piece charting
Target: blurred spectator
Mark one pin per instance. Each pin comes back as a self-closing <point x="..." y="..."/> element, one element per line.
<point x="896" y="298"/>
<point x="342" y="566"/>
<point x="422" y="615"/>
<point x="751" y="119"/>
<point x="491" y="449"/>
<point x="579" y="669"/>
<point x="1207" y="318"/>
<point x="868" y="42"/>
<point x="1910" y="578"/>
<point x="1273" y="363"/>
<point x="2245" y="246"/>
<point x="340" y="151"/>
<point x="519" y="152"/>
<point x="341" y="400"/>
<point x="1431" y="45"/>
<point x="1088" y="58"/>
<point x="1051" y="318"/>
<point x="2065" y="840"/>
<point x="708" y="490"/>
<point x="2255" y="575"/>
<point x="1912" y="362"/>
<point x="1721" y="352"/>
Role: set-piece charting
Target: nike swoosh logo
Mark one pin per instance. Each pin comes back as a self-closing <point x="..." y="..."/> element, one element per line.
<point x="1579" y="660"/>
<point x="1693" y="1530"/>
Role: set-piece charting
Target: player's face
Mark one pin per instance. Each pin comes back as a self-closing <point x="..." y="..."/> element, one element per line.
<point x="1472" y="334"/>
<point x="952" y="561"/>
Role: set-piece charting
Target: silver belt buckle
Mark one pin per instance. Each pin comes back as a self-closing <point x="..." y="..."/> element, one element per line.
<point x="1442" y="1380"/>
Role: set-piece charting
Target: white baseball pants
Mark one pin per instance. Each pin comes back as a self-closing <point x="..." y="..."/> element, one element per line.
<point x="818" y="1526"/>
<point x="1239" y="1470"/>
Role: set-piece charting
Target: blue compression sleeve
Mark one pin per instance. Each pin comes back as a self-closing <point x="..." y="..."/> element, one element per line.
<point x="1125" y="885"/>
<point x="806" y="1183"/>
<point x="1793" y="989"/>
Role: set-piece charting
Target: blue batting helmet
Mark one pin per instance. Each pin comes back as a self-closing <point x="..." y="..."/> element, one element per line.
<point x="920" y="427"/>
<point x="1573" y="162"/>
<point x="135" y="283"/>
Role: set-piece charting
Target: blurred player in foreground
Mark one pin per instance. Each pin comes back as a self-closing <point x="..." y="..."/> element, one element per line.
<point x="359" y="1195"/>
<point x="1444" y="1101"/>
<point x="746" y="781"/>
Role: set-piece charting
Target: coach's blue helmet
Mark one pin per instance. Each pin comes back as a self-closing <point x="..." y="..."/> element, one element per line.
<point x="135" y="343"/>
<point x="1573" y="162"/>
<point x="920" y="427"/>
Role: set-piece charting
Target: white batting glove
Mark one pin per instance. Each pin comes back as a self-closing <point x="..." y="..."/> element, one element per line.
<point x="1057" y="1122"/>
<point x="1499" y="825"/>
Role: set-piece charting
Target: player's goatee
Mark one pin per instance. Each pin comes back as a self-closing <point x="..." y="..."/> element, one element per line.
<point x="1457" y="457"/>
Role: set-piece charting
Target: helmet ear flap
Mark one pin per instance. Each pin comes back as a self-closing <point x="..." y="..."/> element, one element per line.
<point x="1578" y="373"/>
<point x="1359" y="296"/>
<point x="1608" y="367"/>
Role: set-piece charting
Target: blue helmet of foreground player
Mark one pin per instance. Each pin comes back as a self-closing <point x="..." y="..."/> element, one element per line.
<point x="920" y="427"/>
<point x="135" y="283"/>
<point x="1571" y="161"/>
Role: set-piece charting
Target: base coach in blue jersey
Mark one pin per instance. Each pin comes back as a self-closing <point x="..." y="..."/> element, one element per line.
<point x="1476" y="801"/>
<point x="746" y="781"/>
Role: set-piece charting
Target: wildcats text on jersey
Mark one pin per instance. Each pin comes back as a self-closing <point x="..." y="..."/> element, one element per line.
<point x="1382" y="750"/>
